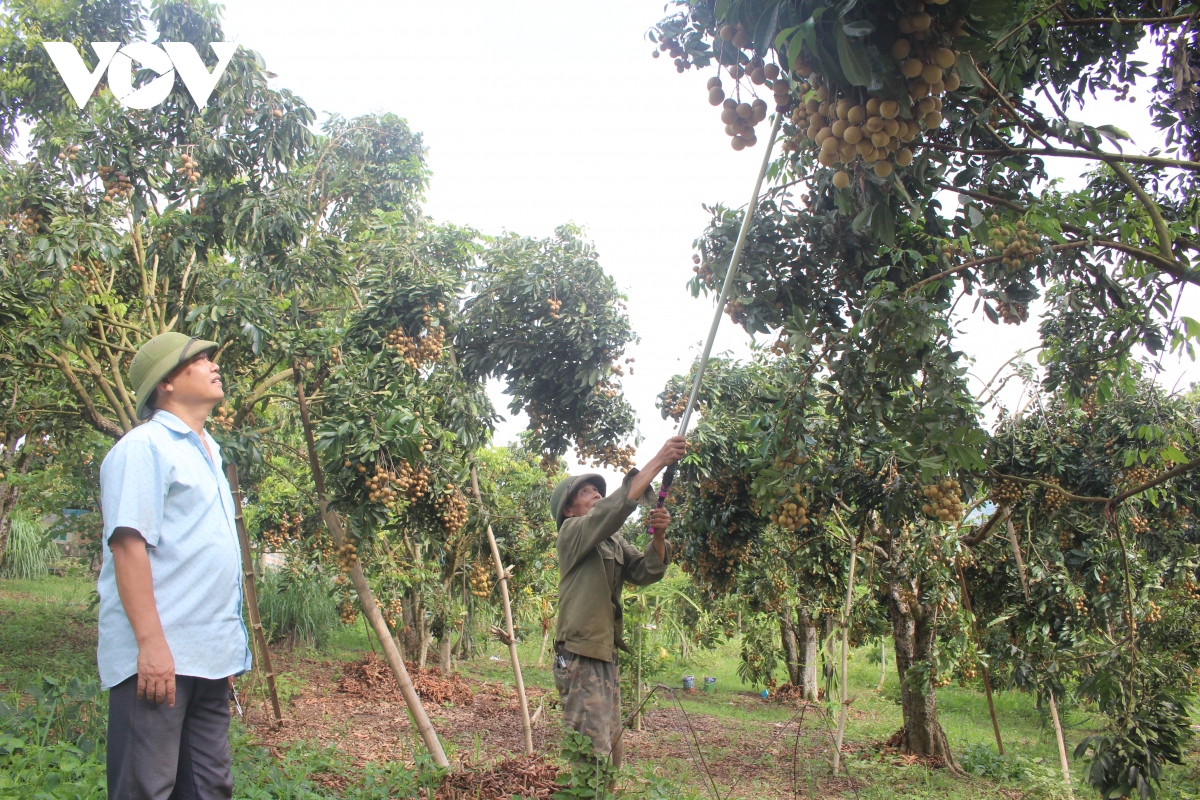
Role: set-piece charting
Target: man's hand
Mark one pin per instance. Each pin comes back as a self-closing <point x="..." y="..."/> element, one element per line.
<point x="660" y="518"/>
<point x="135" y="585"/>
<point x="156" y="672"/>
<point x="672" y="450"/>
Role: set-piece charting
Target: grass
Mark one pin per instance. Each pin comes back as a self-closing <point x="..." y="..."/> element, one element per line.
<point x="47" y="627"/>
<point x="29" y="551"/>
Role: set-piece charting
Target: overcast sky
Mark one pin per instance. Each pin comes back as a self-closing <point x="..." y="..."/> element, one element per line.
<point x="537" y="113"/>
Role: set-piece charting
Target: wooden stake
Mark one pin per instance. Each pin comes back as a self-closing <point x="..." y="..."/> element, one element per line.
<point x="841" y="729"/>
<point x="882" y="664"/>
<point x="502" y="580"/>
<point x="987" y="682"/>
<point x="1058" y="731"/>
<point x="366" y="598"/>
<point x="260" y="638"/>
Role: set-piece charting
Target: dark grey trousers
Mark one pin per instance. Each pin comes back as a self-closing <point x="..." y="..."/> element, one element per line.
<point x="161" y="753"/>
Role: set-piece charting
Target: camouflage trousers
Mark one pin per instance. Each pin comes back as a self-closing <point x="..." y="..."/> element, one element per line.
<point x="591" y="700"/>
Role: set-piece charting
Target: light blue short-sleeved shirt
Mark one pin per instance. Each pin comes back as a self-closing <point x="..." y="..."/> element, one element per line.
<point x="159" y="480"/>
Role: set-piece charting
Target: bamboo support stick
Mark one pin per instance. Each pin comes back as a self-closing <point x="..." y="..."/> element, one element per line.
<point x="1058" y="731"/>
<point x="260" y="638"/>
<point x="841" y="728"/>
<point x="983" y="670"/>
<point x="502" y="580"/>
<point x="366" y="598"/>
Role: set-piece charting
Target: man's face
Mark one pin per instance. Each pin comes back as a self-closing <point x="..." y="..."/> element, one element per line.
<point x="196" y="382"/>
<point x="584" y="499"/>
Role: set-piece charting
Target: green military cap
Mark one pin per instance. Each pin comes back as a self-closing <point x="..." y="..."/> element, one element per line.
<point x="564" y="492"/>
<point x="154" y="361"/>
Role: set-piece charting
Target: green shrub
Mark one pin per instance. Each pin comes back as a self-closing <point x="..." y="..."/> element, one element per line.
<point x="30" y="550"/>
<point x="52" y="742"/>
<point x="297" y="608"/>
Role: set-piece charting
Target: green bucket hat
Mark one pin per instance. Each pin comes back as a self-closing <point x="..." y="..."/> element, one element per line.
<point x="564" y="492"/>
<point x="155" y="360"/>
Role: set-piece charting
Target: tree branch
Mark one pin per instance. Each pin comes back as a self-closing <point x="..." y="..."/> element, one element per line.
<point x="1058" y="152"/>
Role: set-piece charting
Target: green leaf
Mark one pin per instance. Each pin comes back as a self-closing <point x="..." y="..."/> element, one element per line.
<point x="852" y="56"/>
<point x="764" y="30"/>
<point x="967" y="74"/>
<point x="1172" y="453"/>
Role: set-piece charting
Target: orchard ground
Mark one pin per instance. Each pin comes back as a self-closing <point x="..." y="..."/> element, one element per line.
<point x="336" y="743"/>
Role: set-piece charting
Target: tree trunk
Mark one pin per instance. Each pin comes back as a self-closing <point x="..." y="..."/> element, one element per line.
<point x="791" y="655"/>
<point x="827" y="671"/>
<point x="411" y="634"/>
<point x="9" y="494"/>
<point x="914" y="636"/>
<point x="444" y="662"/>
<point x="808" y="653"/>
<point x="542" y="649"/>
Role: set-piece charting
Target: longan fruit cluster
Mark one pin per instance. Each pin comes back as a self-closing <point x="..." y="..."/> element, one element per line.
<point x="1065" y="540"/>
<point x="188" y="169"/>
<point x="554" y="304"/>
<point x="480" y="580"/>
<point x="615" y="456"/>
<point x="674" y="49"/>
<point x="348" y="612"/>
<point x="1138" y="475"/>
<point x="116" y="183"/>
<point x="717" y="560"/>
<point x="736" y="310"/>
<point x="1139" y="524"/>
<point x="790" y="512"/>
<point x="945" y="500"/>
<point x="674" y="403"/>
<point x="1153" y="613"/>
<point x="393" y="614"/>
<point x="740" y="118"/>
<point x="1012" y="312"/>
<point x="922" y="61"/>
<point x="71" y="153"/>
<point x="379" y="487"/>
<point x="452" y="508"/>
<point x="846" y="130"/>
<point x="29" y="222"/>
<point x="1052" y="499"/>
<point x="1018" y="245"/>
<point x="1005" y="492"/>
<point x="287" y="528"/>
<point x="417" y="352"/>
<point x="223" y="415"/>
<point x="605" y="389"/>
<point x="347" y="557"/>
<point x="93" y="285"/>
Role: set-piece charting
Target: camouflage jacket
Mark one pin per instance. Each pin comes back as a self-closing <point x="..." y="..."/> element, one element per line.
<point x="594" y="562"/>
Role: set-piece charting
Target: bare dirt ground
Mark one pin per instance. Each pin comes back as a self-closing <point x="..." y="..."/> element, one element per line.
<point x="355" y="707"/>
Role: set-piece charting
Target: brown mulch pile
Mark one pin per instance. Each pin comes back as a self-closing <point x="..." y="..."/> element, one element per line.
<point x="788" y="693"/>
<point x="371" y="677"/>
<point x="531" y="776"/>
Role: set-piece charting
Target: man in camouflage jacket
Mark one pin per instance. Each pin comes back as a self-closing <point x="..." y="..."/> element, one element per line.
<point x="594" y="562"/>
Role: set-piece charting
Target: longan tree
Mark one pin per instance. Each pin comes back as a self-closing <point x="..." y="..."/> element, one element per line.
<point x="1095" y="598"/>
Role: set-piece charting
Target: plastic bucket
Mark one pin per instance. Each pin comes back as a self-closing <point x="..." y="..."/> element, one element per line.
<point x="689" y="682"/>
<point x="710" y="684"/>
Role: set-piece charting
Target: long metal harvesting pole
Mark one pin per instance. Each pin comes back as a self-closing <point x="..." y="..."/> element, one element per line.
<point x="669" y="475"/>
<point x="729" y="274"/>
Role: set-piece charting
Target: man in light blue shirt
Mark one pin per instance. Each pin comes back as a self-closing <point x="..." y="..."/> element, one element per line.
<point x="171" y="631"/>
